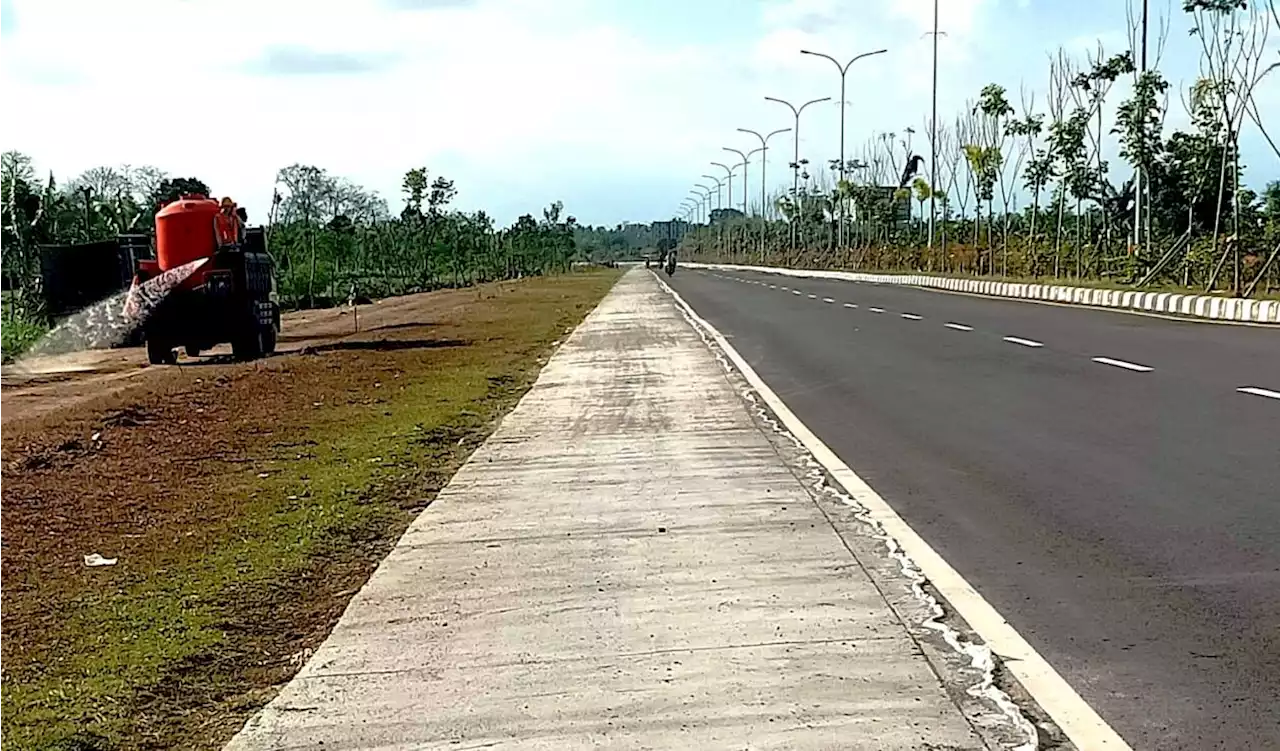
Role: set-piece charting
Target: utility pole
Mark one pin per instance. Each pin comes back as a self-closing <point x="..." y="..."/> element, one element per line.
<point x="1138" y="178"/>
<point x="764" y="200"/>
<point x="933" y="136"/>
<point x="745" y="158"/>
<point x="844" y="70"/>
<point x="795" y="163"/>
<point x="728" y="179"/>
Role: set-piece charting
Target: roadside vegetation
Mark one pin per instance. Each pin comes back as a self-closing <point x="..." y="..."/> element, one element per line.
<point x="244" y="504"/>
<point x="331" y="239"/>
<point x="1069" y="182"/>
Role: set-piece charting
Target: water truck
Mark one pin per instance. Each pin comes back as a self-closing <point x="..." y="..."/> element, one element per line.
<point x="198" y="292"/>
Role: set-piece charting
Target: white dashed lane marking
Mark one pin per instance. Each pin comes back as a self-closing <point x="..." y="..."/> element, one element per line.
<point x="876" y="310"/>
<point x="959" y="327"/>
<point x="796" y="292"/>
<point x="850" y="305"/>
<point x="827" y="299"/>
<point x="813" y="297"/>
<point x="1255" y="391"/>
<point x="1023" y="342"/>
<point x="912" y="317"/>
<point x="1122" y="364"/>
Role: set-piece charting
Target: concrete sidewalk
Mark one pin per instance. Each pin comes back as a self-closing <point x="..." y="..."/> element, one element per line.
<point x="627" y="562"/>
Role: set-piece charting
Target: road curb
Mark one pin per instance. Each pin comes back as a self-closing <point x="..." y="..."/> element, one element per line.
<point x="1194" y="306"/>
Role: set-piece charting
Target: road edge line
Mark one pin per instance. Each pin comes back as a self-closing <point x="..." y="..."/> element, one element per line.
<point x="1078" y="721"/>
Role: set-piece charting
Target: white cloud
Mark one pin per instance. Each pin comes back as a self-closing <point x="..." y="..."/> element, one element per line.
<point x="521" y="101"/>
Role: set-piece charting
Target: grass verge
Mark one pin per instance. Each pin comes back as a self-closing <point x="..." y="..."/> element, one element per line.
<point x="17" y="334"/>
<point x="246" y="504"/>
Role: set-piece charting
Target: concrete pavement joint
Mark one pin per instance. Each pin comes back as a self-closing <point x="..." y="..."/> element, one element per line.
<point x="981" y="658"/>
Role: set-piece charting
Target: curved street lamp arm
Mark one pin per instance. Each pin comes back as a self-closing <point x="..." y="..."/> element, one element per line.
<point x="794" y="111"/>
<point x="812" y="101"/>
<point x="832" y="59"/>
<point x="774" y="133"/>
<point x="859" y="57"/>
<point x="754" y="133"/>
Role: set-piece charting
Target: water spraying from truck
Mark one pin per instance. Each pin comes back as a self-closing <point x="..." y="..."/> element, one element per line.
<point x="111" y="322"/>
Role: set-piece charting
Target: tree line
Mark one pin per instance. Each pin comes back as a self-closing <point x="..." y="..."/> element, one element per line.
<point x="1177" y="212"/>
<point x="330" y="238"/>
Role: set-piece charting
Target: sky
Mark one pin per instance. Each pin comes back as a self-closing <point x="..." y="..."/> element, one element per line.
<point x="615" y="107"/>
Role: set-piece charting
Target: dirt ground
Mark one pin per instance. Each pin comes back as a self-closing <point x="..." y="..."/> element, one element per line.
<point x="245" y="502"/>
<point x="38" y="385"/>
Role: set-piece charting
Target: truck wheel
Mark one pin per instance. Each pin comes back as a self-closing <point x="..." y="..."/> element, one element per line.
<point x="249" y="346"/>
<point x="159" y="353"/>
<point x="269" y="340"/>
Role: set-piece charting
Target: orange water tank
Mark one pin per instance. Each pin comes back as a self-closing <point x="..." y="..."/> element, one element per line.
<point x="184" y="231"/>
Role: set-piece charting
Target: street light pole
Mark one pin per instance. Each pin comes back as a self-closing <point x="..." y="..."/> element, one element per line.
<point x="795" y="164"/>
<point x="745" y="157"/>
<point x="719" y="189"/>
<point x="706" y="188"/>
<point x="844" y="70"/>
<point x="728" y="179"/>
<point x="933" y="138"/>
<point x="764" y="162"/>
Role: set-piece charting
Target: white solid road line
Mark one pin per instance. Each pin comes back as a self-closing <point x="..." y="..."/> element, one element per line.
<point x="1023" y="342"/>
<point x="1122" y="364"/>
<point x="1259" y="392"/>
<point x="850" y="305"/>
<point x="912" y="317"/>
<point x="1077" y="720"/>
<point x="959" y="327"/>
<point x="876" y="310"/>
<point x="827" y="299"/>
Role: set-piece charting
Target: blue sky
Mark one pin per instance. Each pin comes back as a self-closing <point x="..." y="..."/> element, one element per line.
<point x="615" y="107"/>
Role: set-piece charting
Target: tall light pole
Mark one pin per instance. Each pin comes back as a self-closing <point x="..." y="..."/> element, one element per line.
<point x="707" y="198"/>
<point x="933" y="135"/>
<point x="745" y="157"/>
<point x="697" y="204"/>
<point x="844" y="70"/>
<point x="764" y="162"/>
<point x="795" y="139"/>
<point x="764" y="200"/>
<point x="719" y="189"/>
<point x="728" y="179"/>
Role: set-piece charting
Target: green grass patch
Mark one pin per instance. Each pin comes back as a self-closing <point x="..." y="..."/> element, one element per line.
<point x="17" y="334"/>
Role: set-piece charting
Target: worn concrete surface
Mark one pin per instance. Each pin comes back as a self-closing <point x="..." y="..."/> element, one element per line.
<point x="627" y="562"/>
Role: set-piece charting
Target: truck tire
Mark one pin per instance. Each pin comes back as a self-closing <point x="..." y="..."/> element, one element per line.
<point x="248" y="346"/>
<point x="269" y="340"/>
<point x="160" y="353"/>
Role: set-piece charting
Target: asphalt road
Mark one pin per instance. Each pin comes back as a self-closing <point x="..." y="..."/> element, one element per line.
<point x="1123" y="513"/>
